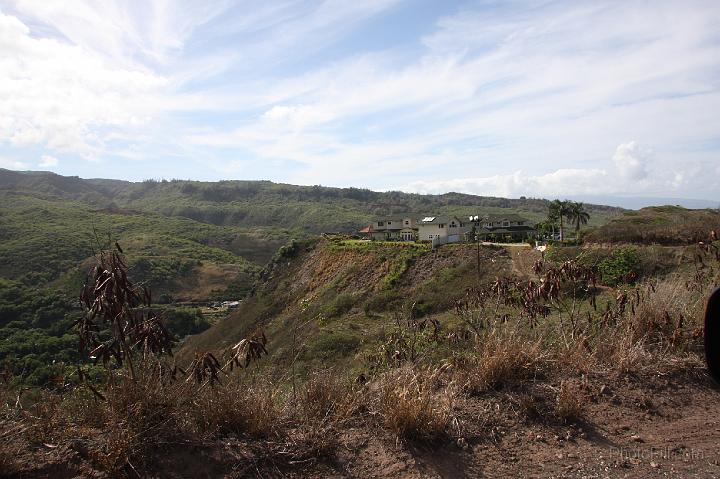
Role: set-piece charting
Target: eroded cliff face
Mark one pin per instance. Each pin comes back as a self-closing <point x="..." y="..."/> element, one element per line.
<point x="336" y="298"/>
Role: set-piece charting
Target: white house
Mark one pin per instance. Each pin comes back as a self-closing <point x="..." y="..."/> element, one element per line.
<point x="447" y="229"/>
<point x="395" y="229"/>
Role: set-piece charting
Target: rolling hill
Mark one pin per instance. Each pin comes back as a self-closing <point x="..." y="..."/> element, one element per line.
<point x="50" y="222"/>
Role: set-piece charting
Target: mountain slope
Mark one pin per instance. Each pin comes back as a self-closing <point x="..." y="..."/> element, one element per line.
<point x="43" y="241"/>
<point x="312" y="209"/>
<point x="173" y="229"/>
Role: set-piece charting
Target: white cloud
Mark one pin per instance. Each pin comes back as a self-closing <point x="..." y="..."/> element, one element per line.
<point x="549" y="90"/>
<point x="59" y="95"/>
<point x="13" y="164"/>
<point x="47" y="161"/>
<point x="631" y="161"/>
<point x="557" y="183"/>
<point x="632" y="174"/>
<point x="519" y="98"/>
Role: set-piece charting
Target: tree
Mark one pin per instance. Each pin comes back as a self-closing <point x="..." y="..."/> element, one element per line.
<point x="559" y="210"/>
<point x="578" y="216"/>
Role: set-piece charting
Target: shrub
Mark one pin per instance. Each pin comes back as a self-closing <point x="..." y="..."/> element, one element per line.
<point x="501" y="357"/>
<point x="341" y="304"/>
<point x="333" y="345"/>
<point x="620" y="267"/>
<point x="383" y="301"/>
<point x="241" y="407"/>
<point x="287" y="251"/>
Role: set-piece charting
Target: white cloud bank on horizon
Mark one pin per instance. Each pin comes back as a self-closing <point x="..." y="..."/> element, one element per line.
<point x="47" y="161"/>
<point x="632" y="172"/>
<point x="13" y="164"/>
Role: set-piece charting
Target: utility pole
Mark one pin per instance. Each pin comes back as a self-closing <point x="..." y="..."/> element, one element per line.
<point x="477" y="240"/>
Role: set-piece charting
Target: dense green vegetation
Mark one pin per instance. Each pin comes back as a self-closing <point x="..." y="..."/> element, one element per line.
<point x="620" y="267"/>
<point x="184" y="321"/>
<point x="45" y="241"/>
<point x="37" y="342"/>
<point x="255" y="204"/>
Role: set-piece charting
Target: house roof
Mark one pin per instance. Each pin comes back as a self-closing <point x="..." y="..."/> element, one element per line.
<point x="507" y="229"/>
<point x="397" y="218"/>
<point x="367" y="229"/>
<point x="435" y="220"/>
<point x="508" y="217"/>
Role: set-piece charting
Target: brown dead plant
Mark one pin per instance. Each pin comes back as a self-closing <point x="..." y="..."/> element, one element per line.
<point x="415" y="405"/>
<point x="570" y="402"/>
<point x="113" y="304"/>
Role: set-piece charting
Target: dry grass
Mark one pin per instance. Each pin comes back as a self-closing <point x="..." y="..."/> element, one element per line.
<point x="570" y="402"/>
<point x="415" y="405"/>
<point x="327" y="396"/>
<point x="502" y="356"/>
<point x="662" y="319"/>
<point x="240" y="408"/>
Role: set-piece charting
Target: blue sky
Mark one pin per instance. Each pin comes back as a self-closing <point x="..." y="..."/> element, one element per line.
<point x="508" y="98"/>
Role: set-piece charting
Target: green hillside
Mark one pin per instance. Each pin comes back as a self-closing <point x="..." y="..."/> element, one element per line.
<point x="50" y="223"/>
<point x="668" y="225"/>
<point x="197" y="242"/>
<point x="45" y="241"/>
<point x="351" y="304"/>
<point x="312" y="209"/>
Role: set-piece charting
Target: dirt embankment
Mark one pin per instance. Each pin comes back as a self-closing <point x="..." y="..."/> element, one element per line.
<point x="380" y="277"/>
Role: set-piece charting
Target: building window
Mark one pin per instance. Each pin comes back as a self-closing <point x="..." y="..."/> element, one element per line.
<point x="506" y="223"/>
<point x="407" y="222"/>
<point x="520" y="223"/>
<point x="389" y="223"/>
<point x="489" y="225"/>
<point x="441" y="225"/>
<point x="380" y="223"/>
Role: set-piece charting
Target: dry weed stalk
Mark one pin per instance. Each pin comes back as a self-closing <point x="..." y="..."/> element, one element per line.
<point x="115" y="305"/>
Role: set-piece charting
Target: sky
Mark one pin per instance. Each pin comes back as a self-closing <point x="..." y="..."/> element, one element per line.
<point x="503" y="98"/>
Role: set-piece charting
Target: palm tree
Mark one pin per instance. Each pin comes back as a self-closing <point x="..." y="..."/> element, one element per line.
<point x="578" y="216"/>
<point x="559" y="210"/>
